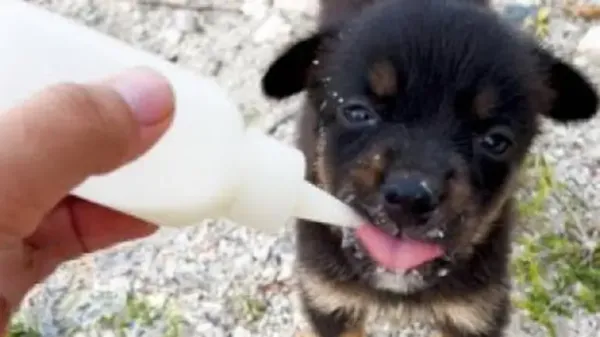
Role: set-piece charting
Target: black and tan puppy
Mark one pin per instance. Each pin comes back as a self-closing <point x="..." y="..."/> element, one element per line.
<point x="419" y="114"/>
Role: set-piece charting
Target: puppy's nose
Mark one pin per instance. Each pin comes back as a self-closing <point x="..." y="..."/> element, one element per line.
<point x="410" y="194"/>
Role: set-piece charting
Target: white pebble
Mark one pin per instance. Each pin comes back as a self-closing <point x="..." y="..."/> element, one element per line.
<point x="185" y="21"/>
<point x="271" y="28"/>
<point x="241" y="332"/>
<point x="589" y="45"/>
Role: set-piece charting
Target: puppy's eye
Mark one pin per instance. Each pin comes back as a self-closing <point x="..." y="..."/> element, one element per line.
<point x="497" y="142"/>
<point x="357" y="115"/>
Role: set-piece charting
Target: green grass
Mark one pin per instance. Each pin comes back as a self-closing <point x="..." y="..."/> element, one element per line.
<point x="539" y="23"/>
<point x="556" y="271"/>
<point x="138" y="312"/>
<point x="248" y="308"/>
<point x="20" y="329"/>
<point x="557" y="265"/>
<point x="539" y="178"/>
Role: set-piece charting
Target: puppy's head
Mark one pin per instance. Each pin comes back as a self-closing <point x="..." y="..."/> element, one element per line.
<point x="424" y="111"/>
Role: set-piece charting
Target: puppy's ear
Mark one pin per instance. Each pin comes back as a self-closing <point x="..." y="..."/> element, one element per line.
<point x="574" y="96"/>
<point x="288" y="74"/>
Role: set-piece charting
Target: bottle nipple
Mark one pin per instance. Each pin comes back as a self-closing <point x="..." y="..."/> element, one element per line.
<point x="317" y="205"/>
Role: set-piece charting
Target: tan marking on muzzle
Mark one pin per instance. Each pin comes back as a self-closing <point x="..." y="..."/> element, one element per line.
<point x="484" y="102"/>
<point x="487" y="220"/>
<point x="479" y="223"/>
<point x="322" y="171"/>
<point x="458" y="189"/>
<point x="459" y="195"/>
<point x="369" y="172"/>
<point x="383" y="79"/>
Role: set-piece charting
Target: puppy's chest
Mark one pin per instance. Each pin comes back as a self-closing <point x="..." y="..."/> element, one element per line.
<point x="402" y="314"/>
<point x="463" y="315"/>
<point x="468" y="313"/>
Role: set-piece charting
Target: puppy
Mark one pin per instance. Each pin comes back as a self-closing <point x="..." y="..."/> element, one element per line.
<point x="418" y="114"/>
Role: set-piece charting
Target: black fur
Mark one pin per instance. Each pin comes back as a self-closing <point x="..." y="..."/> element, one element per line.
<point x="463" y="82"/>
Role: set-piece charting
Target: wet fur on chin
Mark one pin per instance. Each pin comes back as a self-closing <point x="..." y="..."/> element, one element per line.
<point x="438" y="79"/>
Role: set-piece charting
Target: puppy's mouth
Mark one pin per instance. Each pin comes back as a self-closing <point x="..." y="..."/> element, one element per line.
<point x="398" y="249"/>
<point x="397" y="253"/>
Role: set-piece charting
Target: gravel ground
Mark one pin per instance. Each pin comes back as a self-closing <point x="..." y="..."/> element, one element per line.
<point x="221" y="279"/>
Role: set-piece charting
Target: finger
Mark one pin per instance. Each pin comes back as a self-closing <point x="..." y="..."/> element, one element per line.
<point x="97" y="227"/>
<point x="74" y="227"/>
<point x="68" y="132"/>
<point x="77" y="226"/>
<point x="5" y="316"/>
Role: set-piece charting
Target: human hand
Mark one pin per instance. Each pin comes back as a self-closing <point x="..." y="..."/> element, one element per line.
<point x="50" y="144"/>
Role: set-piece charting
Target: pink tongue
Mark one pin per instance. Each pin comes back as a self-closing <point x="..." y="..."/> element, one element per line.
<point x="396" y="253"/>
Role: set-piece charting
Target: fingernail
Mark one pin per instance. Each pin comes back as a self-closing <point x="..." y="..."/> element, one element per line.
<point x="147" y="93"/>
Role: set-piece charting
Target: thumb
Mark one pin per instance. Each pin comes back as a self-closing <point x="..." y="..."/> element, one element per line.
<point x="67" y="132"/>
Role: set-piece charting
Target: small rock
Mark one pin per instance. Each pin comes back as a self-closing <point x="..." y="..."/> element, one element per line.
<point x="210" y="330"/>
<point x="256" y="9"/>
<point x="589" y="45"/>
<point x="571" y="28"/>
<point x="185" y="21"/>
<point x="180" y="2"/>
<point x="156" y="300"/>
<point x="241" y="332"/>
<point x="242" y="262"/>
<point x="173" y="36"/>
<point x="269" y="273"/>
<point x="286" y="272"/>
<point x="107" y="333"/>
<point x="169" y="268"/>
<point x="306" y="6"/>
<point x="138" y="32"/>
<point x="263" y="252"/>
<point x="272" y="26"/>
